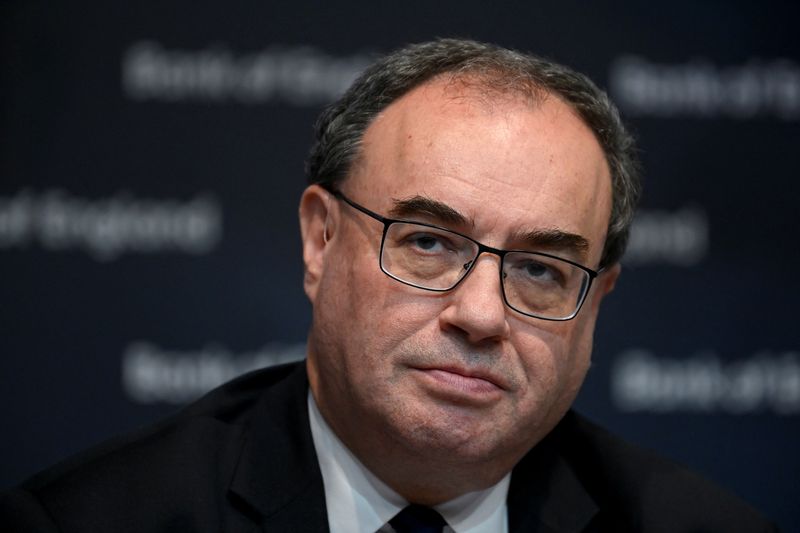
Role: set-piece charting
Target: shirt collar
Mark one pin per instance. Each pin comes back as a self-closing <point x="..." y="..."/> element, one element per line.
<point x="358" y="501"/>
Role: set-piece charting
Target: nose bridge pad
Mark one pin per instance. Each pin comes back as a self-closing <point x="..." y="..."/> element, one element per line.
<point x="471" y="265"/>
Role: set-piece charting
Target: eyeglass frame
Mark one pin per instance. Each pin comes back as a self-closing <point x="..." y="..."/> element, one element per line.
<point x="482" y="248"/>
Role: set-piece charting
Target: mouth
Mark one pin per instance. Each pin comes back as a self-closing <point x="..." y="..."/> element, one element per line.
<point x="460" y="383"/>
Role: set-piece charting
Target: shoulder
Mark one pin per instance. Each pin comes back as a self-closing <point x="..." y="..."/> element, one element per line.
<point x="161" y="470"/>
<point x="639" y="489"/>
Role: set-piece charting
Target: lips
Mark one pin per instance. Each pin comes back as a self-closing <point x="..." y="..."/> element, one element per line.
<point x="470" y="382"/>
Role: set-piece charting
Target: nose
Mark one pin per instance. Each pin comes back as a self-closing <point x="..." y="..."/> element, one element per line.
<point x="475" y="307"/>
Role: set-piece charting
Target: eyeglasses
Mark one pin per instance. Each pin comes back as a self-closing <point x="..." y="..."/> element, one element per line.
<point x="436" y="259"/>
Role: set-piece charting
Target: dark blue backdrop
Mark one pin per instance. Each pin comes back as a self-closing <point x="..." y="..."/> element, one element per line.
<point x="151" y="163"/>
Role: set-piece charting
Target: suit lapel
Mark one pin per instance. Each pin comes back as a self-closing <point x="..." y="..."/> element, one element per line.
<point x="277" y="474"/>
<point x="545" y="494"/>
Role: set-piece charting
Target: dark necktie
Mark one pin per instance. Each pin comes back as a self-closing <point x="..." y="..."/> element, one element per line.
<point x="418" y="519"/>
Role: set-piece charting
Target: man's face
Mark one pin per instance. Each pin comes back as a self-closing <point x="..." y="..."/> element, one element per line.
<point x="456" y="377"/>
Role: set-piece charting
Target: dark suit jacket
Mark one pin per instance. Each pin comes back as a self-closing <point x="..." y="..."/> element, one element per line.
<point x="241" y="459"/>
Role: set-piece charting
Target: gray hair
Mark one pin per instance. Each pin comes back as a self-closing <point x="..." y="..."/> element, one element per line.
<point x="340" y="128"/>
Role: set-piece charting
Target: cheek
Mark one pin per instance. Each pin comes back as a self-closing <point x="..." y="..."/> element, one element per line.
<point x="577" y="356"/>
<point x="541" y="353"/>
<point x="340" y="309"/>
<point x="364" y="310"/>
<point x="407" y="312"/>
<point x="555" y="360"/>
<point x="349" y="275"/>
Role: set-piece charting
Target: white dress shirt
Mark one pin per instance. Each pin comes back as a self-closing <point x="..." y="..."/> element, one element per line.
<point x="357" y="501"/>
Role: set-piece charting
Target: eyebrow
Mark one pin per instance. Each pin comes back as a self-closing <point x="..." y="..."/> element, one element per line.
<point x="552" y="239"/>
<point x="427" y="207"/>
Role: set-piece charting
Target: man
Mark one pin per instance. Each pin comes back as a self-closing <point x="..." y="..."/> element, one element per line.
<point x="468" y="209"/>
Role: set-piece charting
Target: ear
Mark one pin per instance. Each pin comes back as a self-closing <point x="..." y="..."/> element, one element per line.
<point x="316" y="229"/>
<point x="604" y="284"/>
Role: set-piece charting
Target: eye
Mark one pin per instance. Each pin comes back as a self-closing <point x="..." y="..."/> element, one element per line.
<point x="538" y="270"/>
<point x="417" y="240"/>
<point x="427" y="242"/>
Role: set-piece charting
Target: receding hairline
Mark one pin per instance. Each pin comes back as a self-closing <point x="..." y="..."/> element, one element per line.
<point x="488" y="87"/>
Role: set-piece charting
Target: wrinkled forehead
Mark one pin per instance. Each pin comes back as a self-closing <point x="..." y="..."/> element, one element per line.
<point x="502" y="160"/>
<point x="486" y="91"/>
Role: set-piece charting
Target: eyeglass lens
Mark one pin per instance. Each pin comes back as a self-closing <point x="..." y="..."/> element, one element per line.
<point x="436" y="259"/>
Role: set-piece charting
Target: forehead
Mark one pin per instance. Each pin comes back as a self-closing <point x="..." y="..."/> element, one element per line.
<point x="506" y="161"/>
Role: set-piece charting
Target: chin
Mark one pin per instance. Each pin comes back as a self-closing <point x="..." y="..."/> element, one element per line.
<point x="452" y="438"/>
